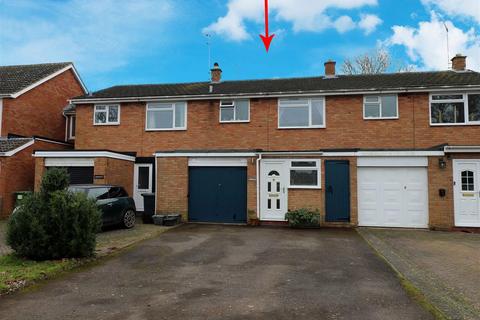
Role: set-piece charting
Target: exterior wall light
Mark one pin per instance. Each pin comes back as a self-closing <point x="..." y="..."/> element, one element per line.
<point x="442" y="163"/>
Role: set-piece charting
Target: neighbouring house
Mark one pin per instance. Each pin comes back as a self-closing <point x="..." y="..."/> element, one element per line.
<point x="32" y="103"/>
<point x="387" y="150"/>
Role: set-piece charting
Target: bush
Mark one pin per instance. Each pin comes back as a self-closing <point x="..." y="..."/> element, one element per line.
<point x="303" y="218"/>
<point x="54" y="223"/>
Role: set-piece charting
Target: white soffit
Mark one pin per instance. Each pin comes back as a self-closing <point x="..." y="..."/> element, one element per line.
<point x="217" y="162"/>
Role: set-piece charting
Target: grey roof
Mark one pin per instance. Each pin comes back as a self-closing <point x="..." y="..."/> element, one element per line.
<point x="15" y="78"/>
<point x="10" y="144"/>
<point x="350" y="83"/>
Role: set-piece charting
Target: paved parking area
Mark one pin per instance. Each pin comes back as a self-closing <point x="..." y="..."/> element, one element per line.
<point x="444" y="266"/>
<point x="223" y="272"/>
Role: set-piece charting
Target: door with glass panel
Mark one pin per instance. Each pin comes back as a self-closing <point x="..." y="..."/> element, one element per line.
<point x="467" y="193"/>
<point x="274" y="190"/>
<point x="142" y="181"/>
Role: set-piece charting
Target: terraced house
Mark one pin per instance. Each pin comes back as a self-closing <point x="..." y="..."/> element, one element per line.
<point x="32" y="99"/>
<point x="390" y="150"/>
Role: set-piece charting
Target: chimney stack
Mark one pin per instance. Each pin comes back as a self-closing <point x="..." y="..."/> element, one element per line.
<point x="330" y="68"/>
<point x="216" y="73"/>
<point x="459" y="62"/>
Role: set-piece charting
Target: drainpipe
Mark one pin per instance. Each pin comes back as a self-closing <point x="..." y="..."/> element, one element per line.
<point x="66" y="126"/>
<point x="258" y="184"/>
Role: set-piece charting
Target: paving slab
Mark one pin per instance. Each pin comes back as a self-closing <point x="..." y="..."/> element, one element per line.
<point x="444" y="266"/>
<point x="228" y="272"/>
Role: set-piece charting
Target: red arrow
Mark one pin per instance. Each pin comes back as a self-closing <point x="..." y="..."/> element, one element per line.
<point x="267" y="39"/>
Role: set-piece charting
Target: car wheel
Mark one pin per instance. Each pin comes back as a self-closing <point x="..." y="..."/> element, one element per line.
<point x="129" y="219"/>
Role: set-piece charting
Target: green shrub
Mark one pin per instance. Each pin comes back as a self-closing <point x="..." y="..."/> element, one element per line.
<point x="54" y="223"/>
<point x="303" y="218"/>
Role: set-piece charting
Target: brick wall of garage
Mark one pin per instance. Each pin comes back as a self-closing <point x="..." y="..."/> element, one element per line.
<point x="345" y="128"/>
<point x="441" y="209"/>
<point x="17" y="173"/>
<point x="39" y="111"/>
<point x="172" y="186"/>
<point x="115" y="172"/>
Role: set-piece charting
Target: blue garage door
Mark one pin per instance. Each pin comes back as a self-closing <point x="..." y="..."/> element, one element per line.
<point x="217" y="194"/>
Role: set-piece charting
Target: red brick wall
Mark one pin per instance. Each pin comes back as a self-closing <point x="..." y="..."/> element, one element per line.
<point x="344" y="119"/>
<point x="17" y="173"/>
<point x="172" y="176"/>
<point x="39" y="111"/>
<point x="115" y="172"/>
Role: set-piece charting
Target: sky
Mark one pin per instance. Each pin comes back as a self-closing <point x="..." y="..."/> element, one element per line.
<point x="114" y="42"/>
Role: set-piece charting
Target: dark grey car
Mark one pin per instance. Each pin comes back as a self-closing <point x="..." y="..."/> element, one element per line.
<point x="114" y="202"/>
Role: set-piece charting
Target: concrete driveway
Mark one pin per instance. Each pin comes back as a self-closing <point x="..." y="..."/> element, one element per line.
<point x="223" y="272"/>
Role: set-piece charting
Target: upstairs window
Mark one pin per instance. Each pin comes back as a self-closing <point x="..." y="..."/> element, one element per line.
<point x="380" y="107"/>
<point x="301" y="113"/>
<point x="166" y="116"/>
<point x="107" y="114"/>
<point x="234" y="111"/>
<point x="455" y="109"/>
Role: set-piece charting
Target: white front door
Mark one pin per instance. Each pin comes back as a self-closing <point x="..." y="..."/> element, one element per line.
<point x="466" y="190"/>
<point x="142" y="183"/>
<point x="274" y="190"/>
<point x="393" y="197"/>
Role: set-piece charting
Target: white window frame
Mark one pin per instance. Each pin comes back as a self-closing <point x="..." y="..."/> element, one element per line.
<point x="310" y="126"/>
<point x="71" y="134"/>
<point x="318" y="168"/>
<point x="381" y="117"/>
<point x="465" y="108"/>
<point x="234" y="111"/>
<point x="107" y="123"/>
<point x="173" y="106"/>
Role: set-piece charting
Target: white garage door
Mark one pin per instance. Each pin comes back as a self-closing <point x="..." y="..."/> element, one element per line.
<point x="393" y="197"/>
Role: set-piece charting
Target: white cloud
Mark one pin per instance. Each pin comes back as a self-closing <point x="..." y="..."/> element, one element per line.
<point x="369" y="22"/>
<point x="427" y="44"/>
<point x="460" y="8"/>
<point x="98" y="35"/>
<point x="304" y="15"/>
<point x="344" y="24"/>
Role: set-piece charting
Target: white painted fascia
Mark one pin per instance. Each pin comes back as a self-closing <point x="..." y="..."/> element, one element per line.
<point x="399" y="153"/>
<point x="217" y="162"/>
<point x="205" y="154"/>
<point x="53" y="75"/>
<point x="14" y="151"/>
<point x="462" y="149"/>
<point x="274" y="94"/>
<point x="392" y="162"/>
<point x="53" y="141"/>
<point x="83" y="154"/>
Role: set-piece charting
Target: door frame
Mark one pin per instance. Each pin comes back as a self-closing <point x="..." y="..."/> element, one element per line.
<point x="326" y="165"/>
<point x="263" y="179"/>
<point x="135" y="180"/>
<point x="457" y="190"/>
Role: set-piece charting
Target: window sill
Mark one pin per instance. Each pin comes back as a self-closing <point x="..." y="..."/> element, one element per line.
<point x="233" y="122"/>
<point x="454" y="124"/>
<point x="389" y="118"/>
<point x="106" y="124"/>
<point x="305" y="128"/>
<point x="305" y="187"/>
<point x="169" y="129"/>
